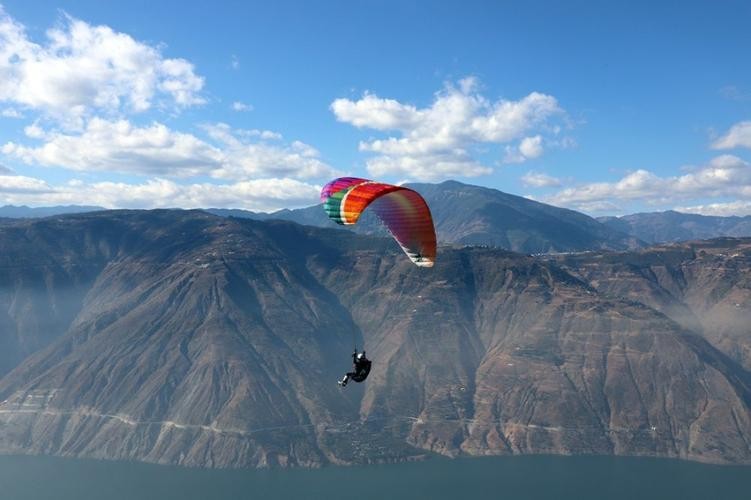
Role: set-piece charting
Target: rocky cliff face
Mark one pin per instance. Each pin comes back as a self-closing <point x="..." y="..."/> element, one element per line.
<point x="217" y="342"/>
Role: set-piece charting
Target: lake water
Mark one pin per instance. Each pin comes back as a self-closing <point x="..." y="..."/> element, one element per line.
<point x="530" y="477"/>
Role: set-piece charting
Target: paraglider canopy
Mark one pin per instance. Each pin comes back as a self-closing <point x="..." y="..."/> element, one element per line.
<point x="402" y="210"/>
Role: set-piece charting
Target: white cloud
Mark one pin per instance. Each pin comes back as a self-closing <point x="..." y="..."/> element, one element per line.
<point x="739" y="136"/>
<point x="374" y="112"/>
<point x="244" y="157"/>
<point x="34" y="131"/>
<point x="531" y="147"/>
<point x="11" y="184"/>
<point x="156" y="150"/>
<point x="82" y="68"/>
<point x="722" y="209"/>
<point x="266" y="134"/>
<point x="259" y="195"/>
<point x="11" y="113"/>
<point x="6" y="171"/>
<point x="234" y="62"/>
<point x="427" y="167"/>
<point x="119" y="146"/>
<point x="535" y="179"/>
<point x="528" y="148"/>
<point x="725" y="175"/>
<point x="458" y="120"/>
<point x="241" y="106"/>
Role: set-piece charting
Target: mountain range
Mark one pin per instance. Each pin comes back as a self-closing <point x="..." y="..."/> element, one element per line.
<point x="186" y="338"/>
<point x="22" y="211"/>
<point x="672" y="226"/>
<point x="472" y="215"/>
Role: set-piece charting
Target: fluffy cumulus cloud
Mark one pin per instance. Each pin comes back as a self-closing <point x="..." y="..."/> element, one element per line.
<point x="429" y="167"/>
<point x="156" y="150"/>
<point x="258" y="195"/>
<point x="255" y="153"/>
<point x="241" y="106"/>
<point x="439" y="141"/>
<point x="739" y="136"/>
<point x="20" y="185"/>
<point x="539" y="180"/>
<point x="724" y="176"/>
<point x="529" y="148"/>
<point x="119" y="146"/>
<point x="80" y="69"/>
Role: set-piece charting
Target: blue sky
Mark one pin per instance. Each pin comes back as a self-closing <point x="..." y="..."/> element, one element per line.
<point x="605" y="107"/>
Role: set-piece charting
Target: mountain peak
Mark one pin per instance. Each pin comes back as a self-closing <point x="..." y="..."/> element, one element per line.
<point x="466" y="214"/>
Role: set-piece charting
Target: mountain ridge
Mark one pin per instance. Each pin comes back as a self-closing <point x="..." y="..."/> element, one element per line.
<point x="207" y="341"/>
<point x="672" y="226"/>
<point x="472" y="215"/>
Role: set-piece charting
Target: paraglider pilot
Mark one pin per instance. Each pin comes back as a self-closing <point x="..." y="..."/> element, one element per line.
<point x="361" y="369"/>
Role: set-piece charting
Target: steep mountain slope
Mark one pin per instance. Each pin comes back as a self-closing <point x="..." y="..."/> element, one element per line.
<point x="473" y="215"/>
<point x="704" y="286"/>
<point x="216" y="342"/>
<point x="671" y="226"/>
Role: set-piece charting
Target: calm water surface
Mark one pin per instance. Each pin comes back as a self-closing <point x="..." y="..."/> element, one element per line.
<point x="534" y="477"/>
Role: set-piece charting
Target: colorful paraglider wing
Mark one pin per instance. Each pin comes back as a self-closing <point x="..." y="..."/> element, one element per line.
<point x="338" y="185"/>
<point x="402" y="210"/>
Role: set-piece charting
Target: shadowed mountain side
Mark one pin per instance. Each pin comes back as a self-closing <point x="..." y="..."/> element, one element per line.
<point x="705" y="286"/>
<point x="217" y="342"/>
<point x="474" y="215"/>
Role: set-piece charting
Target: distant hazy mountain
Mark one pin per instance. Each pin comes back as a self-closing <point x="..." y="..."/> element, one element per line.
<point x="661" y="227"/>
<point x="182" y="337"/>
<point x="473" y="215"/>
<point x="12" y="211"/>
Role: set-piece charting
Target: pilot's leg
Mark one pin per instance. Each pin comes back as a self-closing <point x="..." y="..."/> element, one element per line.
<point x="343" y="382"/>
